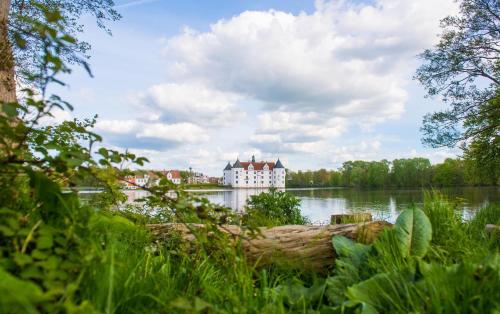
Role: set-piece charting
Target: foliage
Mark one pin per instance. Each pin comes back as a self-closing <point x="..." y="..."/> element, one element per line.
<point x="413" y="232"/>
<point x="274" y="208"/>
<point x="383" y="277"/>
<point x="24" y="14"/>
<point x="483" y="153"/>
<point x="411" y="172"/>
<point x="463" y="68"/>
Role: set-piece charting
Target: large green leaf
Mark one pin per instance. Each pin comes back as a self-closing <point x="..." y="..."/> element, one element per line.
<point x="349" y="267"/>
<point x="17" y="295"/>
<point x="413" y="232"/>
<point x="382" y="293"/>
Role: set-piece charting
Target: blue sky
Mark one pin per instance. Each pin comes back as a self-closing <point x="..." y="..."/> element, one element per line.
<point x="316" y="83"/>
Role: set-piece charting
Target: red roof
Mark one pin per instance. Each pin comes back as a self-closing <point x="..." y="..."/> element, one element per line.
<point x="176" y="174"/>
<point x="257" y="165"/>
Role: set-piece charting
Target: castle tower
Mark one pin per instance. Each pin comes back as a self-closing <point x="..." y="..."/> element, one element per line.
<point x="279" y="174"/>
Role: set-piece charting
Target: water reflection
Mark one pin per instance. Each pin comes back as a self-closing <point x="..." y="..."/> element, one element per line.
<point x="320" y="204"/>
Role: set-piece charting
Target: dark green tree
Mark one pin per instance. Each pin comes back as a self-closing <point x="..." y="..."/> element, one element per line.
<point x="463" y="68"/>
<point x="449" y="173"/>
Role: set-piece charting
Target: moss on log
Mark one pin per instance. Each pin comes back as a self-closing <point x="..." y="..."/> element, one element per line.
<point x="350" y="218"/>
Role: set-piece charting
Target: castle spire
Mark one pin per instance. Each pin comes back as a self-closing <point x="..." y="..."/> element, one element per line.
<point x="279" y="164"/>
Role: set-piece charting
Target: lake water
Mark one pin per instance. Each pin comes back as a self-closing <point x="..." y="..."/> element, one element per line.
<point x="320" y="204"/>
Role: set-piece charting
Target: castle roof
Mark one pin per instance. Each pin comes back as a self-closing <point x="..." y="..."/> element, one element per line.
<point x="258" y="165"/>
<point x="279" y="164"/>
<point x="237" y="164"/>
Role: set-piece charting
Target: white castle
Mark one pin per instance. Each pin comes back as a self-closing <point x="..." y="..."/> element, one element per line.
<point x="252" y="174"/>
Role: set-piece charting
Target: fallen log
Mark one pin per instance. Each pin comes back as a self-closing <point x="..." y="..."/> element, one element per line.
<point x="492" y="229"/>
<point x="298" y="246"/>
<point x="350" y="218"/>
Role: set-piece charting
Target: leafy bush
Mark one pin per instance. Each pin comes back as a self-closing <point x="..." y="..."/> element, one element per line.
<point x="274" y="208"/>
<point x="401" y="271"/>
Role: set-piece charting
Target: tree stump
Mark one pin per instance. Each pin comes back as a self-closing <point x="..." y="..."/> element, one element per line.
<point x="297" y="246"/>
<point x="492" y="229"/>
<point x="350" y="218"/>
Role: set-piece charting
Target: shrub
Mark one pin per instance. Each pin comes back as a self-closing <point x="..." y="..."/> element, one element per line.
<point x="274" y="208"/>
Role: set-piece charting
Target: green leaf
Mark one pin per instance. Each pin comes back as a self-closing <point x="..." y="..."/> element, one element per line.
<point x="350" y="264"/>
<point x="182" y="304"/>
<point x="18" y="296"/>
<point x="356" y="252"/>
<point x="6" y="231"/>
<point x="39" y="255"/>
<point x="22" y="259"/>
<point x="200" y="304"/>
<point x="413" y="232"/>
<point x="10" y="109"/>
<point x="378" y="293"/>
<point x="44" y="242"/>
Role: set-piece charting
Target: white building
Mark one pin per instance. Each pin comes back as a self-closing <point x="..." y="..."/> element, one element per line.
<point x="174" y="176"/>
<point x="252" y="174"/>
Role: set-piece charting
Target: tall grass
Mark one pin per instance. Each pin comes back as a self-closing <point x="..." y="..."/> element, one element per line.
<point x="134" y="275"/>
<point x="459" y="274"/>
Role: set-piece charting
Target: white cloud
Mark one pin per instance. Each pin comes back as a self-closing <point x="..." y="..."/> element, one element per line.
<point x="192" y="102"/>
<point x="343" y="60"/>
<point x="179" y="132"/>
<point x="270" y="82"/>
<point x="143" y="134"/>
<point x="281" y="131"/>
<point x="117" y="126"/>
<point x="58" y="116"/>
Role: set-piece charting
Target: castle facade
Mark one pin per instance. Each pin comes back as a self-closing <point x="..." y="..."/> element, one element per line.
<point x="254" y="174"/>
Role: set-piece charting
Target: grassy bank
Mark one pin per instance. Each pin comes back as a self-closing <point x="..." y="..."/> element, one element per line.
<point x="205" y="186"/>
<point x="458" y="270"/>
<point x="447" y="265"/>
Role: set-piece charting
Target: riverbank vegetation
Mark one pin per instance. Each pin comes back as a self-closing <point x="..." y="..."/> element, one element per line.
<point x="274" y="208"/>
<point x="61" y="255"/>
<point x="399" y="173"/>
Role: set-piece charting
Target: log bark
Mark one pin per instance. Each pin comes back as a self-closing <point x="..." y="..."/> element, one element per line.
<point x="302" y="247"/>
<point x="7" y="78"/>
<point x="492" y="229"/>
<point x="350" y="218"/>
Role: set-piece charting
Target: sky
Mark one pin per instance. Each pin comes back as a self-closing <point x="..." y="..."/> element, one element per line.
<point x="314" y="83"/>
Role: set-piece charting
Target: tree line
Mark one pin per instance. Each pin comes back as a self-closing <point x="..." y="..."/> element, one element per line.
<point x="405" y="172"/>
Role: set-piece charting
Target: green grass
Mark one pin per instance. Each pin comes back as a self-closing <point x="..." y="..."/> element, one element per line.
<point x="203" y="186"/>
<point x="124" y="270"/>
<point x="460" y="273"/>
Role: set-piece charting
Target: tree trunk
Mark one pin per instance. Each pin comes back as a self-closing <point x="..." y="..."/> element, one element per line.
<point x="301" y="247"/>
<point x="7" y="80"/>
<point x="350" y="218"/>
